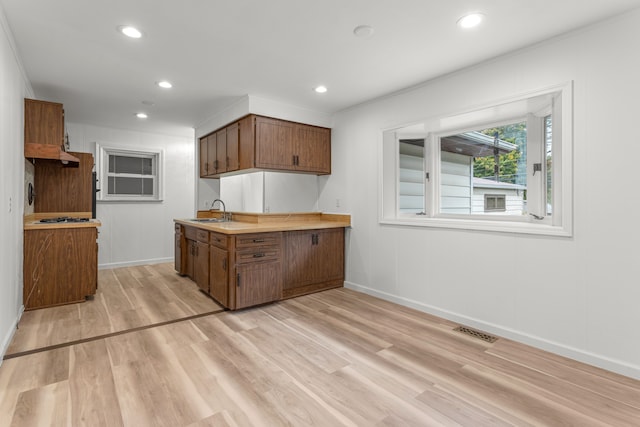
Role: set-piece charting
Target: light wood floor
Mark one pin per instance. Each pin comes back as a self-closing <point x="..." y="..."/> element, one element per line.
<point x="336" y="358"/>
<point x="127" y="298"/>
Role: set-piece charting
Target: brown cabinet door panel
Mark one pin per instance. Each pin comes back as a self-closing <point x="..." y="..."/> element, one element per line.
<point x="43" y="122"/>
<point x="274" y="144"/>
<point x="201" y="266"/>
<point x="212" y="144"/>
<point x="313" y="149"/>
<point x="64" y="189"/>
<point x="221" y="151"/>
<point x="204" y="159"/>
<point x="219" y="265"/>
<point x="258" y="283"/>
<point x="60" y="266"/>
<point x="313" y="256"/>
<point x="233" y="137"/>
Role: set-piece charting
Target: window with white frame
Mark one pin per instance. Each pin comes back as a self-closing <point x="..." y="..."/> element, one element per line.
<point x="129" y="175"/>
<point x="503" y="167"/>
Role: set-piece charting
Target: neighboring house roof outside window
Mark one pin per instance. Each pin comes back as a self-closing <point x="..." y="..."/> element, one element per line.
<point x="475" y="144"/>
<point x="489" y="183"/>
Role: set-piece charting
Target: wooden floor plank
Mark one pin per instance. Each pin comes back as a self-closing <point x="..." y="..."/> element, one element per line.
<point x="335" y="358"/>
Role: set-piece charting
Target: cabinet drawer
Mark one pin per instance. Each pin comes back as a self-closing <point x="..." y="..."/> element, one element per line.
<point x="202" y="236"/>
<point x="258" y="239"/>
<point x="219" y="240"/>
<point x="269" y="253"/>
<point x="191" y="233"/>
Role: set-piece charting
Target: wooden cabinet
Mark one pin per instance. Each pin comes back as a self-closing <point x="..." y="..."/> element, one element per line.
<point x="204" y="156"/>
<point x="43" y="122"/>
<point x="44" y="131"/>
<point x="179" y="250"/>
<point x="274" y="144"/>
<point x="257" y="142"/>
<point x="244" y="270"/>
<point x="258" y="269"/>
<point x="63" y="189"/>
<point x="219" y="152"/>
<point x="60" y="266"/>
<point x="197" y="256"/>
<point x="219" y="276"/>
<point x="314" y="260"/>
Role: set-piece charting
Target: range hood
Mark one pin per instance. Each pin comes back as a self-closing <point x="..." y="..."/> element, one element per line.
<point x="49" y="151"/>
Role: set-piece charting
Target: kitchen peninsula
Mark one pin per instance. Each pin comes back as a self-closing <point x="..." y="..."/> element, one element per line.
<point x="261" y="258"/>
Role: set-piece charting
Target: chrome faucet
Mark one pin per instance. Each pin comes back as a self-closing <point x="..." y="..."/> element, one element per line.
<point x="224" y="210"/>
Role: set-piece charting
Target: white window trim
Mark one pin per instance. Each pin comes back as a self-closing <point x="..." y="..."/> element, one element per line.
<point x="562" y="220"/>
<point x="102" y="167"/>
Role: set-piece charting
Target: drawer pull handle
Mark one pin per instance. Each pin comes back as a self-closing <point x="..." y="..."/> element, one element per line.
<point x="258" y="240"/>
<point x="260" y="255"/>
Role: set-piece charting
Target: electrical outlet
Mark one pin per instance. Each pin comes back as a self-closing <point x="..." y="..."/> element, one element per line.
<point x="337" y="203"/>
<point x="207" y="204"/>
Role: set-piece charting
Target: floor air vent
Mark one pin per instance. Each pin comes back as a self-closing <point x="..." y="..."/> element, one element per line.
<point x="476" y="334"/>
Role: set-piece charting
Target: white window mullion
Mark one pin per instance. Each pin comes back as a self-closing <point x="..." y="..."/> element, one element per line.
<point x="536" y="179"/>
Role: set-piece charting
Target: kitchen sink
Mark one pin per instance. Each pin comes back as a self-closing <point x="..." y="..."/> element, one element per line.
<point x="209" y="220"/>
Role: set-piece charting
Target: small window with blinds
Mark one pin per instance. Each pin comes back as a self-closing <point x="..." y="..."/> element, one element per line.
<point x="411" y="185"/>
<point x="128" y="175"/>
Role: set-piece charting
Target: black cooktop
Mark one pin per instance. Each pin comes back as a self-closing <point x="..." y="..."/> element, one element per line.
<point x="63" y="219"/>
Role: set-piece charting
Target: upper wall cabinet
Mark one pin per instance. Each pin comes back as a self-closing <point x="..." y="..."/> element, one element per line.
<point x="256" y="142"/>
<point x="44" y="131"/>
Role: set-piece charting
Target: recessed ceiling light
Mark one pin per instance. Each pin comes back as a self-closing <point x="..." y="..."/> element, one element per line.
<point x="141" y="115"/>
<point x="470" y="20"/>
<point x="363" y="31"/>
<point x="165" y="84"/>
<point x="130" y="31"/>
<point x="320" y="89"/>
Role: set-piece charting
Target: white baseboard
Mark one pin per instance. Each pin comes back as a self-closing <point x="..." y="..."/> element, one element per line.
<point x="589" y="358"/>
<point x="9" y="336"/>
<point x="134" y="263"/>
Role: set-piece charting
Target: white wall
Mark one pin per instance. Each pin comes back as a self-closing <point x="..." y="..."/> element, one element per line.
<point x="575" y="296"/>
<point x="141" y="233"/>
<point x="14" y="87"/>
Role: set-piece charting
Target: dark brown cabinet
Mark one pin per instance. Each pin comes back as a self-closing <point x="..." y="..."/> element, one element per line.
<point x="196" y="265"/>
<point x="60" y="266"/>
<point x="44" y="131"/>
<point x="257" y="142"/>
<point x="244" y="270"/>
<point x="219" y="152"/>
<point x="314" y="259"/>
<point x="178" y="250"/>
<point x="219" y="276"/>
<point x="43" y="122"/>
<point x="64" y="189"/>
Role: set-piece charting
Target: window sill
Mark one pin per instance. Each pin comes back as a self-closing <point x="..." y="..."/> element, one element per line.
<point x="129" y="201"/>
<point x="479" y="225"/>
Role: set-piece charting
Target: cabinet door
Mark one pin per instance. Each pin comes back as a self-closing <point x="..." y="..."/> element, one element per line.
<point x="274" y="144"/>
<point x="313" y="257"/>
<point x="219" y="264"/>
<point x="177" y="250"/>
<point x="212" y="144"/>
<point x="190" y="254"/>
<point x="201" y="266"/>
<point x="60" y="266"/>
<point x="258" y="283"/>
<point x="204" y="159"/>
<point x="313" y="149"/>
<point x="233" y="138"/>
<point x="43" y="122"/>
<point x="221" y="151"/>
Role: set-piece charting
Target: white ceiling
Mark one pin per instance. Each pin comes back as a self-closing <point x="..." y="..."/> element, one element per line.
<point x="215" y="51"/>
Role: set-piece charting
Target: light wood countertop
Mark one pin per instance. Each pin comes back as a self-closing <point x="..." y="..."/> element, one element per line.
<point x="244" y="223"/>
<point x="32" y="222"/>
